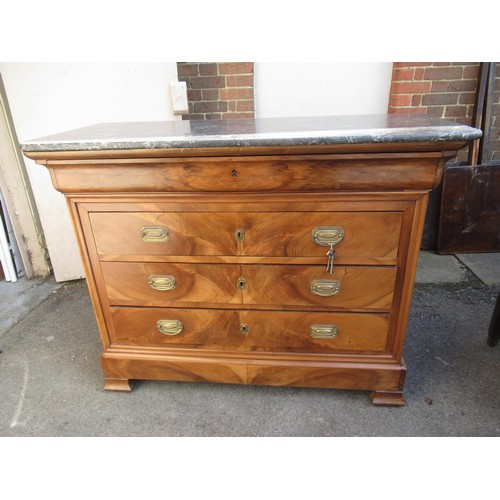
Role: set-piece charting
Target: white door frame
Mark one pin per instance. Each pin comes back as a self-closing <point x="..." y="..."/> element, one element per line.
<point x="6" y="257"/>
<point x="18" y="196"/>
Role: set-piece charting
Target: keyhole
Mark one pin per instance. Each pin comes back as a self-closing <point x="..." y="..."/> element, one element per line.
<point x="242" y="284"/>
<point x="234" y="173"/>
<point x="239" y="234"/>
<point x="244" y="328"/>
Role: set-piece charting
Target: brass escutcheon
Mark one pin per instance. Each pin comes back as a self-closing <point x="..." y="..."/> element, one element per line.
<point x="239" y="234"/>
<point x="325" y="288"/>
<point x="155" y="234"/>
<point x="324" y="331"/>
<point x="328" y="235"/>
<point x="162" y="283"/>
<point x="241" y="283"/>
<point x="169" y="326"/>
<point x="244" y="329"/>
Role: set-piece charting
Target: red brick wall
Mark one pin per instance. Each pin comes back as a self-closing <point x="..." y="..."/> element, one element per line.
<point x="494" y="146"/>
<point x="446" y="90"/>
<point x="218" y="89"/>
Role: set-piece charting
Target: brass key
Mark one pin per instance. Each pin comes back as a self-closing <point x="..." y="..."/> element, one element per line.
<point x="330" y="255"/>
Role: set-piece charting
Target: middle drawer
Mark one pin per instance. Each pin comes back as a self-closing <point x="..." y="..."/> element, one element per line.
<point x="362" y="288"/>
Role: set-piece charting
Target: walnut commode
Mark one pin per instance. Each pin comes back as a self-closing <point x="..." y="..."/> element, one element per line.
<point x="271" y="252"/>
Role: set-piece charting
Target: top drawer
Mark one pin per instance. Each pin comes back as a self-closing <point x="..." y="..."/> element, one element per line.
<point x="274" y="234"/>
<point x="287" y="173"/>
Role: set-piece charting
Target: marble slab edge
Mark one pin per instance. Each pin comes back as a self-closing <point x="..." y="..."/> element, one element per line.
<point x="245" y="133"/>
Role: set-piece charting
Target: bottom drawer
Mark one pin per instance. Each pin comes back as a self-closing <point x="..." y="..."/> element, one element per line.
<point x="249" y="330"/>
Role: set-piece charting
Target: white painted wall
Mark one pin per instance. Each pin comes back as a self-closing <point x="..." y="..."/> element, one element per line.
<point x="321" y="88"/>
<point x="47" y="98"/>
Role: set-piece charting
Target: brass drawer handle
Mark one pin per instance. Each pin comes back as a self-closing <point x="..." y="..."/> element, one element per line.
<point x="325" y="288"/>
<point x="244" y="329"/>
<point x="162" y="283"/>
<point x="239" y="234"/>
<point x="155" y="234"/>
<point x="169" y="326"/>
<point x="324" y="331"/>
<point x="328" y="236"/>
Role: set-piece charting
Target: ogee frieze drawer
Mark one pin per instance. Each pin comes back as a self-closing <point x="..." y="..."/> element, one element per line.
<point x="267" y="234"/>
<point x="249" y="330"/>
<point x="244" y="174"/>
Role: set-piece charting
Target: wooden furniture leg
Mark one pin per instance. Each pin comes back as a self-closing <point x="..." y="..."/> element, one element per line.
<point x="122" y="385"/>
<point x="387" y="398"/>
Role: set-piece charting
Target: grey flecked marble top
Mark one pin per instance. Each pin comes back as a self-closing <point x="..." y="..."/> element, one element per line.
<point x="303" y="131"/>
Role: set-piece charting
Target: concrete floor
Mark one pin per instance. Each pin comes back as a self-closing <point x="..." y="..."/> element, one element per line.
<point x="52" y="383"/>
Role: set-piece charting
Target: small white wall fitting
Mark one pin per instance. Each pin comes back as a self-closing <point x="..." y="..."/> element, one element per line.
<point x="178" y="91"/>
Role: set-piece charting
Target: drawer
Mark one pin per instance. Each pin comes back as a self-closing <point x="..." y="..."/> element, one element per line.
<point x="308" y="234"/>
<point x="164" y="233"/>
<point x="249" y="174"/>
<point x="249" y="330"/>
<point x="360" y="288"/>
<point x="268" y="234"/>
<point x="349" y="287"/>
<point x="157" y="284"/>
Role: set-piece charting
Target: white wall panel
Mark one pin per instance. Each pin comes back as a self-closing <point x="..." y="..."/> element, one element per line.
<point x="47" y="98"/>
<point x="321" y="88"/>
